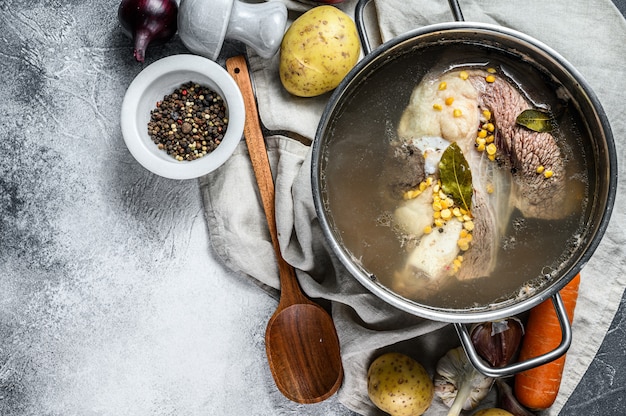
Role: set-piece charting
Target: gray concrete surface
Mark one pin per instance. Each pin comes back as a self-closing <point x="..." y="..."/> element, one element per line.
<point x="111" y="302"/>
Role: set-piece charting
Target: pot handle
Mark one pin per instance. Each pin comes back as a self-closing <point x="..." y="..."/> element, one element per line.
<point x="360" y="21"/>
<point x="509" y="370"/>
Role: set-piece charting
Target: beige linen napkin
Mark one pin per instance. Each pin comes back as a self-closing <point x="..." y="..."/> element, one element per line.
<point x="590" y="34"/>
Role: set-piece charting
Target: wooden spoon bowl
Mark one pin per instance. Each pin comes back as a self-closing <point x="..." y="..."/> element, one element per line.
<point x="303" y="353"/>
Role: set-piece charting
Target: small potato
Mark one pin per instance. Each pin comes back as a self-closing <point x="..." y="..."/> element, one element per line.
<point x="399" y="385"/>
<point x="317" y="51"/>
<point x="492" y="412"/>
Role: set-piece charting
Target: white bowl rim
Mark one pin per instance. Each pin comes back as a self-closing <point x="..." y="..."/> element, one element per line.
<point x="168" y="166"/>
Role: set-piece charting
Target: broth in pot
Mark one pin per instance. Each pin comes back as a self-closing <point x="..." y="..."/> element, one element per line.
<point x="446" y="188"/>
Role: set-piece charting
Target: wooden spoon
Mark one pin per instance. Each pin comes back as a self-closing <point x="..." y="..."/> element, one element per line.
<point x="301" y="340"/>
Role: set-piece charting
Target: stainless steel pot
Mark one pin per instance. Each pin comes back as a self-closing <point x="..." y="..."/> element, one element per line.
<point x="388" y="62"/>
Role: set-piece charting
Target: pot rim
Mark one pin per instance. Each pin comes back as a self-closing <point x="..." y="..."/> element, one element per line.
<point x="447" y="314"/>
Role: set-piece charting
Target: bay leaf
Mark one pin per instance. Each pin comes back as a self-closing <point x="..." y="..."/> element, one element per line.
<point x="535" y="120"/>
<point x="456" y="176"/>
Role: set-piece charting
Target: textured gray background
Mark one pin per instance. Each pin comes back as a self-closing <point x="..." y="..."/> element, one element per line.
<point x="111" y="302"/>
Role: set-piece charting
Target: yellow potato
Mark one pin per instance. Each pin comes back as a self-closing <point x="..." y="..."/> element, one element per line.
<point x="317" y="51"/>
<point x="399" y="385"/>
<point x="492" y="412"/>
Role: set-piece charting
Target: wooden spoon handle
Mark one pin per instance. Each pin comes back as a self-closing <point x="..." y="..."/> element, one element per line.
<point x="237" y="67"/>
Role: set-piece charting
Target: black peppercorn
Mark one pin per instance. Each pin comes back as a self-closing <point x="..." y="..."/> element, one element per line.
<point x="190" y="113"/>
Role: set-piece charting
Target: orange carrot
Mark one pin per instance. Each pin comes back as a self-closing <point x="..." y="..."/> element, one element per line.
<point x="537" y="388"/>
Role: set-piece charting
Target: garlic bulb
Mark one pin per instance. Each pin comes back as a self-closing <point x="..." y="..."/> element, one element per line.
<point x="458" y="384"/>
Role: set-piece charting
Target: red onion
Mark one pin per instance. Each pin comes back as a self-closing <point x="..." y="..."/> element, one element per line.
<point x="145" y="21"/>
<point x="498" y="342"/>
<point x="508" y="402"/>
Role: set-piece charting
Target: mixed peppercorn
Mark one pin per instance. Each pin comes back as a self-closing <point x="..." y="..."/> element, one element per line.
<point x="188" y="123"/>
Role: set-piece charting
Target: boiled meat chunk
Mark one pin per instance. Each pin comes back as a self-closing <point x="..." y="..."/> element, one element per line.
<point x="450" y="108"/>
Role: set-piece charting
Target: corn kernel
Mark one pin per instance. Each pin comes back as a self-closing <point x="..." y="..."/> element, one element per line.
<point x="470" y="237"/>
<point x="429" y="180"/>
<point x="487" y="114"/>
<point x="490" y="139"/>
<point x="423" y="186"/>
<point x="460" y="258"/>
<point x="437" y="214"/>
<point x="428" y="229"/>
<point x="463" y="211"/>
<point x="480" y="147"/>
<point x="437" y="106"/>
<point x="466" y="218"/>
<point x="456" y="212"/>
<point x="491" y="149"/>
<point x="437" y="205"/>
<point x="482" y="133"/>
<point x="468" y="225"/>
<point x="436" y="189"/>
<point x="463" y="244"/>
<point x="548" y="173"/>
<point x="491" y="157"/>
<point x="464" y="233"/>
<point x="443" y="85"/>
<point x="450" y="202"/>
<point x="446" y="214"/>
<point x="481" y="141"/>
<point x="444" y="205"/>
<point x="540" y="169"/>
<point x="449" y="100"/>
<point x="490" y="127"/>
<point x="464" y="75"/>
<point x="490" y="78"/>
<point x="457" y="263"/>
<point x="413" y="193"/>
<point x="457" y="112"/>
<point x="442" y="194"/>
<point x="439" y="222"/>
<point x="491" y="70"/>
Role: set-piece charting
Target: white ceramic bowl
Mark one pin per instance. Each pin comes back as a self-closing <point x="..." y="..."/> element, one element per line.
<point x="162" y="78"/>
